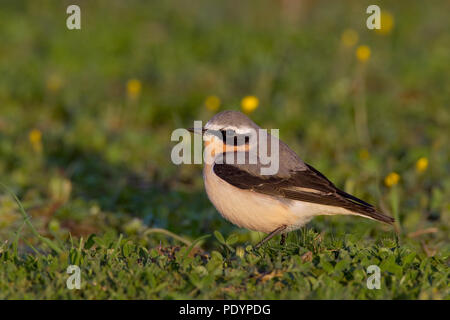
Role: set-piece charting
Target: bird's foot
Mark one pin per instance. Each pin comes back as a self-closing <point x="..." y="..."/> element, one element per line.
<point x="283" y="239"/>
<point x="271" y="235"/>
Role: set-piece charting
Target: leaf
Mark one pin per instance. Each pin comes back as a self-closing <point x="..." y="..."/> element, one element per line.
<point x="328" y="267"/>
<point x="390" y="266"/>
<point x="219" y="237"/>
<point x="232" y="239"/>
<point x="118" y="242"/>
<point x="143" y="253"/>
<point x="341" y="265"/>
<point x="100" y="242"/>
<point x="409" y="258"/>
<point x="126" y="249"/>
<point x="216" y="255"/>
<point x="90" y="241"/>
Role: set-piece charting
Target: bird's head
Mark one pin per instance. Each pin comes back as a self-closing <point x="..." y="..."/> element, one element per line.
<point x="229" y="131"/>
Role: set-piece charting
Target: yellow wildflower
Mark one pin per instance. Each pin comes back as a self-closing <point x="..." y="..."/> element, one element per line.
<point x="54" y="82"/>
<point x="240" y="252"/>
<point x="387" y="23"/>
<point x="392" y="179"/>
<point x="249" y="104"/>
<point x="363" y="53"/>
<point x="364" y="154"/>
<point x="35" y="137"/>
<point x="422" y="164"/>
<point x="212" y="103"/>
<point x="134" y="87"/>
<point x="349" y="37"/>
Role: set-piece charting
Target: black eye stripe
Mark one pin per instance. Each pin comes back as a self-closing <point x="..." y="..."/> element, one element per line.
<point x="238" y="139"/>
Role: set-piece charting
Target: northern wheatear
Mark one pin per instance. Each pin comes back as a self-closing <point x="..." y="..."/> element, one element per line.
<point x="276" y="203"/>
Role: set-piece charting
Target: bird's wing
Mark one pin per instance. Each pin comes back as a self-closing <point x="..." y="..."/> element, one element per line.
<point x="307" y="185"/>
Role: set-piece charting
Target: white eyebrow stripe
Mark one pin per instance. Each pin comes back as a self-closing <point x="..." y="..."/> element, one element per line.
<point x="217" y="127"/>
<point x="244" y="131"/>
<point x="235" y="129"/>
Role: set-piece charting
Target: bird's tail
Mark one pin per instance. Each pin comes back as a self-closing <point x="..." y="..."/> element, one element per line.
<point x="363" y="208"/>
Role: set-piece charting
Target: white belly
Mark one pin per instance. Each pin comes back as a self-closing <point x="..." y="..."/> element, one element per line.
<point x="259" y="212"/>
<point x="249" y="209"/>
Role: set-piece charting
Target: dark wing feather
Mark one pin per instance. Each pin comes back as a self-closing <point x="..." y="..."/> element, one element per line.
<point x="307" y="185"/>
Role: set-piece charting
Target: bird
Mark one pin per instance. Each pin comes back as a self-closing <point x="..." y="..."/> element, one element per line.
<point x="275" y="203"/>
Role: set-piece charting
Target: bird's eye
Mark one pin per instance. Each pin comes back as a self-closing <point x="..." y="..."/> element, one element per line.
<point x="231" y="138"/>
<point x="230" y="133"/>
<point x="235" y="141"/>
<point x="227" y="134"/>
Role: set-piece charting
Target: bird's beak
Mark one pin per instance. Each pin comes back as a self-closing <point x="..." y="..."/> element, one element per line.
<point x="197" y="130"/>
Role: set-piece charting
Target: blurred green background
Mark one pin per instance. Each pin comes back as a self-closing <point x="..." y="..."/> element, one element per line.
<point x="86" y="115"/>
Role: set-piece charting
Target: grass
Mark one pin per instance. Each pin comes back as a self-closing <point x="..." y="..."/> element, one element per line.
<point x="85" y="124"/>
<point x="306" y="268"/>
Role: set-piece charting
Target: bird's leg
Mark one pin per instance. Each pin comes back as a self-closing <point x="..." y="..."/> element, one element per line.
<point x="283" y="239"/>
<point x="270" y="236"/>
